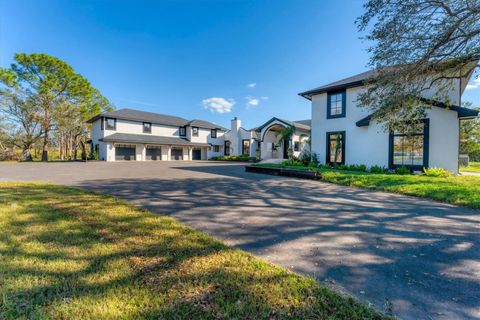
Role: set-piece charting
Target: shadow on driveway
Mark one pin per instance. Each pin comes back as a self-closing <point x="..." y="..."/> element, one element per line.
<point x="418" y="259"/>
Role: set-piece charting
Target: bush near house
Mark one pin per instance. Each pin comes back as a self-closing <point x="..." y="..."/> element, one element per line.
<point x="242" y="157"/>
<point x="71" y="254"/>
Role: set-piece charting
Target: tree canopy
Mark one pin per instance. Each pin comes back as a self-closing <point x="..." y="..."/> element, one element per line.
<point x="417" y="44"/>
<point x="42" y="95"/>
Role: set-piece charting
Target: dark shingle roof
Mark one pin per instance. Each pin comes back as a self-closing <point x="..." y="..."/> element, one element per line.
<point x="148" y="139"/>
<point x="157" y="118"/>
<point x="353" y="81"/>
<point x="205" y="124"/>
<point x="136" y="115"/>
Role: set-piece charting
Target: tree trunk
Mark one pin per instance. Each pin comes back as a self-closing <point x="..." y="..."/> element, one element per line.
<point x="45" y="145"/>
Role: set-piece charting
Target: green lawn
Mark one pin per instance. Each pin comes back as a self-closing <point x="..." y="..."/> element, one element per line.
<point x="70" y="254"/>
<point x="472" y="167"/>
<point x="459" y="190"/>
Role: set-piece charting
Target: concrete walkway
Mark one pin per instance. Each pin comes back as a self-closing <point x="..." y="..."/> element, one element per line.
<point x="414" y="258"/>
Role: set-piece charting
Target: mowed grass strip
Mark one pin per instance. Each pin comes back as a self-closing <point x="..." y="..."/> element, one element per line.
<point x="458" y="190"/>
<point x="472" y="167"/>
<point x="69" y="254"/>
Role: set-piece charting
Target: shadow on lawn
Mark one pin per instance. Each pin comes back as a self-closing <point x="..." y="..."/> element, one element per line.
<point x="417" y="256"/>
<point x="64" y="254"/>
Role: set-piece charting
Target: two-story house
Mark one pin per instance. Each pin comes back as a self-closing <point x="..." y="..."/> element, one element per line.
<point x="343" y="133"/>
<point x="128" y="134"/>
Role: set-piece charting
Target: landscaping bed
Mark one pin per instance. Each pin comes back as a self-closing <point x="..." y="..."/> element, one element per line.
<point x="288" y="172"/>
<point x="66" y="253"/>
<point x="458" y="190"/>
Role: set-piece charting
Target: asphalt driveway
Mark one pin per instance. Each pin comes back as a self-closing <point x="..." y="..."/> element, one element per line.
<point x="415" y="258"/>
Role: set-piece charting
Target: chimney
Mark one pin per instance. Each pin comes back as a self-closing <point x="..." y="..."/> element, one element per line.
<point x="235" y="136"/>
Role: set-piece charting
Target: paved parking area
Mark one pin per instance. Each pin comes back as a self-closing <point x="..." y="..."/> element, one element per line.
<point x="416" y="258"/>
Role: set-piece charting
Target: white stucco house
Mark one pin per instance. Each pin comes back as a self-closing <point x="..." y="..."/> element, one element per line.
<point x="343" y="133"/>
<point x="128" y="134"/>
<point x="263" y="141"/>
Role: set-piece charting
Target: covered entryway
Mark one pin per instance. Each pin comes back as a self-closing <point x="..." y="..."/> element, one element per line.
<point x="124" y="152"/>
<point x="153" y="153"/>
<point x="197" y="154"/>
<point x="272" y="146"/>
<point x="176" y="153"/>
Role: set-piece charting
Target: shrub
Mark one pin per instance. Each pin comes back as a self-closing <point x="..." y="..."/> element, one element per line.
<point x="402" y="170"/>
<point x="437" y="172"/>
<point x="243" y="157"/>
<point x="357" y="167"/>
<point x="297" y="163"/>
<point x="312" y="165"/>
<point x="324" y="166"/>
<point x="286" y="163"/>
<point x="378" y="169"/>
<point x="314" y="158"/>
<point x="306" y="157"/>
<point x="343" y="167"/>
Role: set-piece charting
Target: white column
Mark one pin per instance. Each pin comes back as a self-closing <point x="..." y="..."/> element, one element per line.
<point x="169" y="153"/>
<point x="190" y="153"/>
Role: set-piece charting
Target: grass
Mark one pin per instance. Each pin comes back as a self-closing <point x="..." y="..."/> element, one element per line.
<point x="459" y="190"/>
<point x="472" y="167"/>
<point x="69" y="254"/>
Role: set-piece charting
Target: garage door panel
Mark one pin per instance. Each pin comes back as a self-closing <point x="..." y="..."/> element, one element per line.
<point x="153" y="154"/>
<point x="124" y="153"/>
<point x="176" y="153"/>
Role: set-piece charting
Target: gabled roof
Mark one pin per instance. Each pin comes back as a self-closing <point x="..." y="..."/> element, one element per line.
<point x="300" y="125"/>
<point x="157" y="118"/>
<point x="353" y="81"/>
<point x="148" y="139"/>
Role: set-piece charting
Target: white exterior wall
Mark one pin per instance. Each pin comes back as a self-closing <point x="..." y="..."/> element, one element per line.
<point x="369" y="145"/>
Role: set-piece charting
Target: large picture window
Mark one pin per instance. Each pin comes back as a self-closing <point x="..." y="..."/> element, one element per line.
<point x="336" y="104"/>
<point x="336" y="147"/>
<point x="410" y="149"/>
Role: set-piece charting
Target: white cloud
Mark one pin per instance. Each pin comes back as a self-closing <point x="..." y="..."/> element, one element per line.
<point x="474" y="85"/>
<point x="252" y="85"/>
<point x="219" y="105"/>
<point x="253" y="102"/>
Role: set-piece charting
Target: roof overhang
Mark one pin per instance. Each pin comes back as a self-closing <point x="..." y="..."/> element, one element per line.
<point x="462" y="112"/>
<point x="152" y="140"/>
<point x="310" y="93"/>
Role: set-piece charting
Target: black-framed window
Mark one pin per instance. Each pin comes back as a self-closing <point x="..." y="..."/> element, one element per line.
<point x="227" y="148"/>
<point x="410" y="149"/>
<point x="216" y="148"/>
<point x="182" y="131"/>
<point x="195" y="131"/>
<point x="214" y="133"/>
<point x="147" y="127"/>
<point x="246" y="146"/>
<point x="111" y="123"/>
<point x="335" y="147"/>
<point x="296" y="146"/>
<point x="336" y="104"/>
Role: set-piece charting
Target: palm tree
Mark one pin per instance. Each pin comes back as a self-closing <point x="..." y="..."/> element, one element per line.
<point x="286" y="135"/>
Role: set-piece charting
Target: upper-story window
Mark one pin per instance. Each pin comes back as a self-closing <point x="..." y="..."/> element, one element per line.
<point x="147" y="127"/>
<point x="336" y="104"/>
<point x="182" y="131"/>
<point x="214" y="133"/>
<point x="195" y="131"/>
<point x="111" y="123"/>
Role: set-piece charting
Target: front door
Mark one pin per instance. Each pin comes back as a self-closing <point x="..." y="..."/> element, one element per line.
<point x="285" y="149"/>
<point x="197" y="154"/>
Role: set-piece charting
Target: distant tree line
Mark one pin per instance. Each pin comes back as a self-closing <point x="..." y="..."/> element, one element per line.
<point x="44" y="104"/>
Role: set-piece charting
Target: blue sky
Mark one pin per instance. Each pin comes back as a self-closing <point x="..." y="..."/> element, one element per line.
<point x="173" y="57"/>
